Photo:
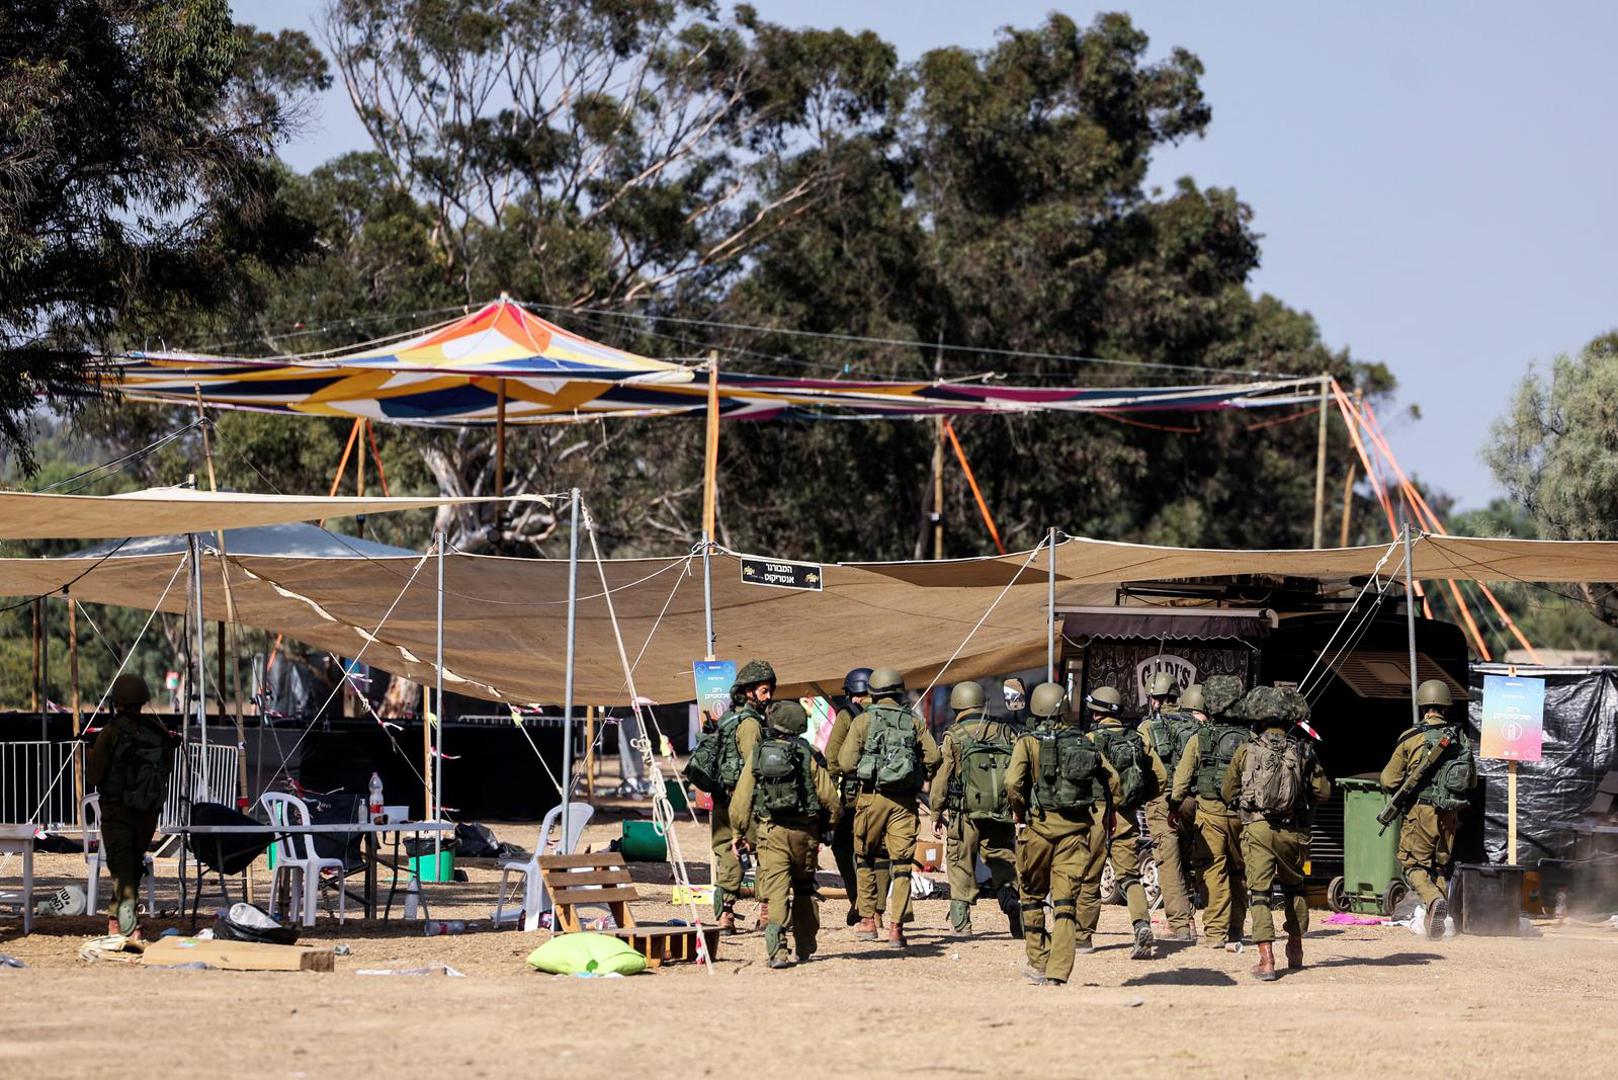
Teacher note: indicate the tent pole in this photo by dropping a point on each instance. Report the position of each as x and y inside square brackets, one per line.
[710, 459]
[230, 619]
[938, 487]
[500, 444]
[426, 753]
[73, 698]
[1320, 464]
[34, 669]
[438, 759]
[572, 633]
[1410, 624]
[202, 662]
[1050, 608]
[707, 591]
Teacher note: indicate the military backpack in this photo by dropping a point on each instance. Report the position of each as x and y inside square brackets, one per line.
[1448, 784]
[1070, 771]
[716, 761]
[1216, 746]
[783, 779]
[888, 756]
[1126, 750]
[138, 774]
[1273, 777]
[1170, 733]
[983, 778]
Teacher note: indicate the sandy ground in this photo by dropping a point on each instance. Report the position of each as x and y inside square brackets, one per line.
[1374, 1001]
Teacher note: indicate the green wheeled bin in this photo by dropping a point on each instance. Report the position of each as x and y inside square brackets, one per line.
[1372, 883]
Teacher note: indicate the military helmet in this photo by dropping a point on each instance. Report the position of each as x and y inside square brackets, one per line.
[857, 682]
[887, 681]
[1104, 699]
[788, 715]
[1192, 698]
[966, 695]
[129, 692]
[1162, 685]
[1270, 706]
[1434, 692]
[1046, 700]
[1219, 693]
[753, 673]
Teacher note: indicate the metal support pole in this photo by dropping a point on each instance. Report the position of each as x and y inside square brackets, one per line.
[572, 628]
[438, 758]
[202, 663]
[1050, 608]
[1410, 624]
[1320, 465]
[73, 697]
[707, 591]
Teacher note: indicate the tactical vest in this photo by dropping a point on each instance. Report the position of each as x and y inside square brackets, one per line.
[138, 774]
[1273, 780]
[1448, 784]
[783, 779]
[1071, 776]
[1127, 752]
[1170, 732]
[888, 755]
[982, 776]
[1216, 746]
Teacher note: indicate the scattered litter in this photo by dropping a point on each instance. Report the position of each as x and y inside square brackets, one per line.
[701, 895]
[68, 900]
[111, 947]
[172, 931]
[434, 969]
[954, 956]
[1348, 918]
[440, 927]
[11, 961]
[1612, 923]
[1235, 947]
[1524, 928]
[341, 950]
[1134, 1003]
[192, 965]
[205, 934]
[593, 975]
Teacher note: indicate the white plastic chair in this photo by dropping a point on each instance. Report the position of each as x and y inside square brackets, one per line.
[295, 855]
[90, 811]
[535, 899]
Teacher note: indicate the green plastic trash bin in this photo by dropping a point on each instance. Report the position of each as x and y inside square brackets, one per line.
[1372, 883]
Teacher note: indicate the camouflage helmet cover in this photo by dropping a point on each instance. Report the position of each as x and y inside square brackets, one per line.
[1219, 693]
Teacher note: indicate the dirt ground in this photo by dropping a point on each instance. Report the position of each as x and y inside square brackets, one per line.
[1373, 1001]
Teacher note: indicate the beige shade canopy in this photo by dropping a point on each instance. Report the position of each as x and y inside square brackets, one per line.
[505, 619]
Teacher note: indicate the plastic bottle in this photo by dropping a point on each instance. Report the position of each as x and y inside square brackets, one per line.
[376, 799]
[441, 927]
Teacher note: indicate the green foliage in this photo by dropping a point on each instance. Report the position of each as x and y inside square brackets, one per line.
[136, 168]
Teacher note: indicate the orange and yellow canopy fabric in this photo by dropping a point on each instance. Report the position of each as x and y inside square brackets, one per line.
[453, 374]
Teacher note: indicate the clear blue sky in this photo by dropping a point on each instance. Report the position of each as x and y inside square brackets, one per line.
[1434, 182]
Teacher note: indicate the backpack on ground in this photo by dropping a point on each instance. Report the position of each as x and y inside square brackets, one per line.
[1070, 771]
[983, 778]
[138, 775]
[1272, 776]
[1126, 750]
[1216, 747]
[783, 779]
[888, 757]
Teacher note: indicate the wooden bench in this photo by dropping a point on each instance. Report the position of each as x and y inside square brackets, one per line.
[602, 878]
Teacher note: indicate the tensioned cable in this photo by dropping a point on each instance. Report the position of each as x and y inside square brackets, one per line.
[1375, 574]
[1032, 555]
[68, 585]
[108, 465]
[904, 342]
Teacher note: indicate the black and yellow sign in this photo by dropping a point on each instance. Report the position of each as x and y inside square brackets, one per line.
[782, 575]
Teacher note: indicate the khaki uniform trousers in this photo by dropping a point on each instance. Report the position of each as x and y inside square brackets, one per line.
[1169, 856]
[1426, 846]
[1275, 855]
[1219, 848]
[884, 829]
[1123, 851]
[788, 855]
[1057, 859]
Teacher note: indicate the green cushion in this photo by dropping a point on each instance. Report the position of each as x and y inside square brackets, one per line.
[601, 954]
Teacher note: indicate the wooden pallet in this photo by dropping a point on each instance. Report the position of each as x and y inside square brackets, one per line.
[602, 878]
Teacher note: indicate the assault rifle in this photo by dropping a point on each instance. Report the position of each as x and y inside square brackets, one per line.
[1406, 795]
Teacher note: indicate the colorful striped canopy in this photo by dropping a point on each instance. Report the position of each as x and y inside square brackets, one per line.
[452, 375]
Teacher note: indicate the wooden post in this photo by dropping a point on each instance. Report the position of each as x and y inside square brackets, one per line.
[1511, 813]
[590, 754]
[36, 691]
[710, 460]
[359, 476]
[500, 443]
[938, 487]
[1320, 465]
[1348, 502]
[230, 619]
[73, 692]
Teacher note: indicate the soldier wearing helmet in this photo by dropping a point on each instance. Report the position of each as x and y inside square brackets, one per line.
[739, 731]
[892, 755]
[1446, 772]
[130, 764]
[856, 696]
[1054, 782]
[1198, 779]
[1165, 731]
[969, 807]
[1119, 843]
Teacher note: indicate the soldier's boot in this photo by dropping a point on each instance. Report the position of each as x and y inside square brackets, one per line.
[127, 925]
[775, 946]
[960, 916]
[763, 915]
[865, 930]
[1264, 970]
[1145, 948]
[1034, 975]
[1437, 912]
[727, 916]
[1179, 937]
[1294, 952]
[853, 915]
[879, 925]
[1012, 907]
[896, 936]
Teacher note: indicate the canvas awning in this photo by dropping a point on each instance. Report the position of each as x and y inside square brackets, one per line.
[1172, 623]
[164, 511]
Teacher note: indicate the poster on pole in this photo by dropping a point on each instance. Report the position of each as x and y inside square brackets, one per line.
[713, 679]
[1513, 717]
